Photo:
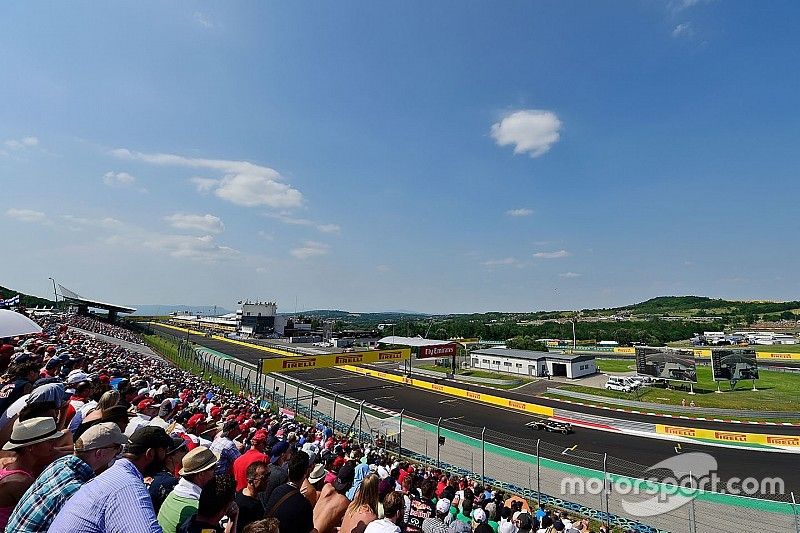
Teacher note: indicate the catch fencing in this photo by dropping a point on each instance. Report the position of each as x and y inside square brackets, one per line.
[536, 470]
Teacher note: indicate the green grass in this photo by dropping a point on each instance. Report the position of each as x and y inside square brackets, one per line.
[616, 365]
[777, 391]
[169, 351]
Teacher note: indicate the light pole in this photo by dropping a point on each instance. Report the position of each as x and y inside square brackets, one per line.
[55, 294]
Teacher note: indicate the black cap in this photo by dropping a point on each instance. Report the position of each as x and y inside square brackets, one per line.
[345, 477]
[114, 413]
[149, 437]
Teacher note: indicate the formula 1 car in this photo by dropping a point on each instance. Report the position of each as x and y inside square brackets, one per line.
[548, 424]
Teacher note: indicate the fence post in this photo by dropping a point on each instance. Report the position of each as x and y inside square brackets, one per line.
[400, 439]
[605, 489]
[296, 400]
[794, 511]
[283, 396]
[692, 518]
[438, 446]
[335, 400]
[538, 477]
[311, 413]
[360, 418]
[483, 456]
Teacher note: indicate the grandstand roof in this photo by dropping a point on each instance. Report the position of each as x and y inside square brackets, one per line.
[411, 341]
[77, 299]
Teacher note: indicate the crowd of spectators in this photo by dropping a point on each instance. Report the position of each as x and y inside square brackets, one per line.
[89, 323]
[97, 438]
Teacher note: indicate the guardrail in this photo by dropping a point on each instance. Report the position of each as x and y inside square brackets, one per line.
[538, 474]
[710, 411]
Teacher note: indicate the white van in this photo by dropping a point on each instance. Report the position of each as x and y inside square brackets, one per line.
[619, 384]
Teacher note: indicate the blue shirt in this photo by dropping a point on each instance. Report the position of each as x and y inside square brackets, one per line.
[48, 494]
[116, 501]
[228, 453]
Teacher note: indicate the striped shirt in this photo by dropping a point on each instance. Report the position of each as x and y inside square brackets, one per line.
[48, 494]
[116, 501]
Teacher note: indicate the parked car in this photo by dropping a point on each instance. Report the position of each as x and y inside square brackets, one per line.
[620, 384]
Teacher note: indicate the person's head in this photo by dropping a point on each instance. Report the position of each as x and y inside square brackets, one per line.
[99, 445]
[259, 440]
[258, 476]
[393, 504]
[174, 460]
[199, 465]
[466, 506]
[267, 525]
[147, 407]
[367, 494]
[117, 414]
[109, 399]
[344, 478]
[428, 488]
[32, 441]
[28, 370]
[39, 409]
[442, 508]
[216, 498]
[147, 449]
[298, 467]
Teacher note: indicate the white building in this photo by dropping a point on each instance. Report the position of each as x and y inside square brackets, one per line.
[532, 363]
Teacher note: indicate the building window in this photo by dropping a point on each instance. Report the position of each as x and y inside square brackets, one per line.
[485, 361]
[519, 365]
[506, 363]
[474, 362]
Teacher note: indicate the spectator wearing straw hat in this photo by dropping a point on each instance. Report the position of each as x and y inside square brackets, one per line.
[181, 503]
[32, 443]
[94, 451]
[313, 483]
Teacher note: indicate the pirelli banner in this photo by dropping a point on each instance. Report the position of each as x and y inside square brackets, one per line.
[302, 362]
[732, 437]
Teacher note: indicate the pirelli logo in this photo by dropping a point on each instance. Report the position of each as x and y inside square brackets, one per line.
[434, 386]
[783, 441]
[683, 432]
[473, 395]
[516, 405]
[348, 359]
[299, 362]
[776, 355]
[389, 356]
[732, 437]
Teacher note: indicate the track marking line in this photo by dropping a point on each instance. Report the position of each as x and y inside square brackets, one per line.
[452, 418]
[567, 450]
[384, 398]
[447, 401]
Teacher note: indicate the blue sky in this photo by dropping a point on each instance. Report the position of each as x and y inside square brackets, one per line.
[439, 157]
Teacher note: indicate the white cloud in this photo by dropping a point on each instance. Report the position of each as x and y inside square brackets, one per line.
[189, 247]
[262, 270]
[569, 275]
[683, 29]
[243, 183]
[79, 223]
[19, 144]
[522, 212]
[680, 5]
[552, 255]
[26, 215]
[310, 249]
[203, 184]
[203, 20]
[383, 268]
[508, 261]
[532, 131]
[204, 223]
[329, 228]
[118, 179]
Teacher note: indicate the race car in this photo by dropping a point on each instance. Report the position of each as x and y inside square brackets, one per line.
[548, 424]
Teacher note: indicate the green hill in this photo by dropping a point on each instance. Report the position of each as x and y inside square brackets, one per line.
[25, 299]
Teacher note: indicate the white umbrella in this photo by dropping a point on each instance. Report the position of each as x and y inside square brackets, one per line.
[13, 324]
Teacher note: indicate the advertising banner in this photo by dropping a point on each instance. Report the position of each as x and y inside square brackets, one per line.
[302, 362]
[675, 365]
[438, 350]
[734, 365]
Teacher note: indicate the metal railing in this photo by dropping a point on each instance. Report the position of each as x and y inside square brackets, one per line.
[542, 473]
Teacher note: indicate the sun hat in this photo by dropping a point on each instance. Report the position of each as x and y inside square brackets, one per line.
[33, 431]
[317, 474]
[443, 506]
[100, 436]
[198, 460]
[149, 437]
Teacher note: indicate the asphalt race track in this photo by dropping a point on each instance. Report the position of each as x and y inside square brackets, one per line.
[429, 406]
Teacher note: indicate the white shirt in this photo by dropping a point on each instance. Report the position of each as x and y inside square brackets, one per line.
[382, 526]
[136, 422]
